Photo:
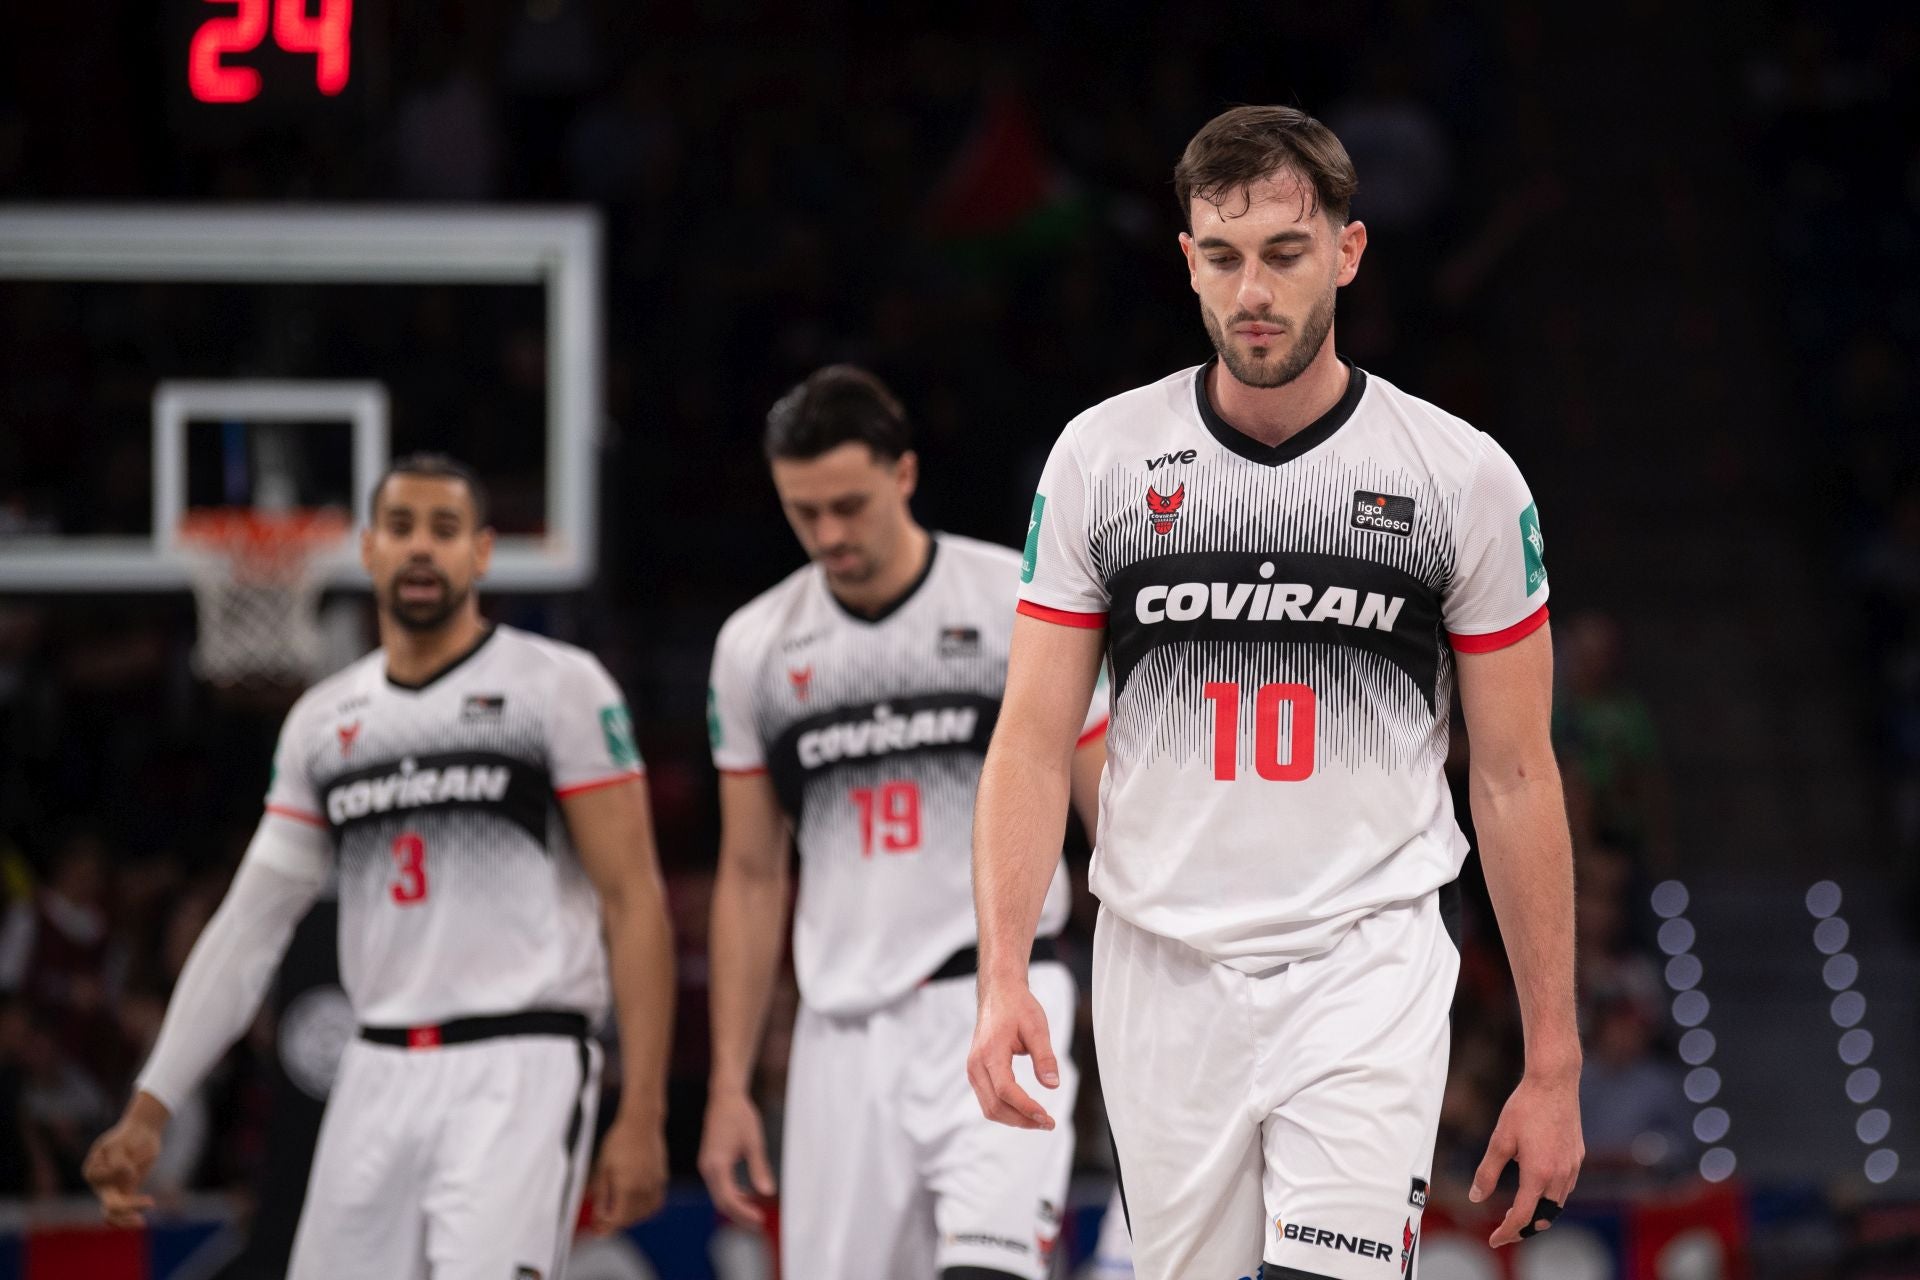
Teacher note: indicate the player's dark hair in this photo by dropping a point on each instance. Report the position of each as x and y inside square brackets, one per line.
[1238, 148]
[438, 466]
[839, 404]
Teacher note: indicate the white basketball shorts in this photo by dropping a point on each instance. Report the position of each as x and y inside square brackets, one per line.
[888, 1169]
[456, 1162]
[1286, 1116]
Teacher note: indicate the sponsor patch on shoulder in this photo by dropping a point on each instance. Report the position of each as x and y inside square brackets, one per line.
[1418, 1196]
[1383, 513]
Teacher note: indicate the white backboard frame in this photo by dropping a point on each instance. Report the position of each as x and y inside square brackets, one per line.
[557, 248]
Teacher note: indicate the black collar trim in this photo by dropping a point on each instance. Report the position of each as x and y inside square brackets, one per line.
[1312, 436]
[899, 602]
[452, 664]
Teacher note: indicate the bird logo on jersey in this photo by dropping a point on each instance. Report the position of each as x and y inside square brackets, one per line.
[801, 678]
[1407, 1237]
[1164, 509]
[347, 732]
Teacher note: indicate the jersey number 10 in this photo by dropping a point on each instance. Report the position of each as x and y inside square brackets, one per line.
[1267, 761]
[891, 811]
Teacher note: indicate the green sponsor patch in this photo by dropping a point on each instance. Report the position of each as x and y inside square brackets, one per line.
[713, 718]
[616, 724]
[1533, 549]
[1032, 557]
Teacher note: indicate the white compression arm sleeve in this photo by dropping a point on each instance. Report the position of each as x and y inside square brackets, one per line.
[228, 970]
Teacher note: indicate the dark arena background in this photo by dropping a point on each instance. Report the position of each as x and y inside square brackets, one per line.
[1667, 255]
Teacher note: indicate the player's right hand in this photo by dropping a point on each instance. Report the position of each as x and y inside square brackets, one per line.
[1011, 1023]
[120, 1160]
[733, 1133]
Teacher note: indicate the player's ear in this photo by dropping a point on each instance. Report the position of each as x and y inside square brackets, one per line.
[482, 551]
[906, 473]
[1353, 243]
[366, 546]
[1187, 251]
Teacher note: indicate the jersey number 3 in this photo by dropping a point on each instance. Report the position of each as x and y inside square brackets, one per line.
[1267, 701]
[409, 869]
[891, 811]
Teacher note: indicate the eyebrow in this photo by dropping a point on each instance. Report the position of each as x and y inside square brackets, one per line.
[1278, 237]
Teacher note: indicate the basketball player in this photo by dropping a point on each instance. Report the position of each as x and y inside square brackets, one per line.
[476, 793]
[850, 707]
[1288, 563]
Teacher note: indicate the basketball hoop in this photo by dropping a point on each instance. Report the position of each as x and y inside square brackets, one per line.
[256, 588]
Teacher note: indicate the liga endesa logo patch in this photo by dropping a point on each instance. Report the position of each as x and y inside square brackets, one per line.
[1383, 513]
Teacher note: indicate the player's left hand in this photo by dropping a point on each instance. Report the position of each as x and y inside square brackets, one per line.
[1540, 1127]
[630, 1179]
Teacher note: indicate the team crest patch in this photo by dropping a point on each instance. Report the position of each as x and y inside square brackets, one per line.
[616, 726]
[1533, 549]
[483, 706]
[1383, 513]
[347, 733]
[801, 678]
[959, 642]
[526, 1273]
[1407, 1236]
[1164, 509]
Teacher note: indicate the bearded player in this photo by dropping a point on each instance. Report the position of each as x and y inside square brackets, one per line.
[850, 708]
[1288, 564]
[476, 793]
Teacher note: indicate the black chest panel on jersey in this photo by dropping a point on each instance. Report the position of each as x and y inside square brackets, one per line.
[436, 782]
[1307, 598]
[890, 728]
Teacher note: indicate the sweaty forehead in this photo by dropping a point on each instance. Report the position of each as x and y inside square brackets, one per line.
[424, 494]
[1282, 201]
[841, 471]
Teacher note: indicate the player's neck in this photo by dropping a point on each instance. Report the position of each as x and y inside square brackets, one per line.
[1272, 414]
[884, 590]
[415, 657]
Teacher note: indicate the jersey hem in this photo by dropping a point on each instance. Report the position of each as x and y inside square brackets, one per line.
[1062, 617]
[594, 784]
[746, 771]
[1493, 640]
[298, 815]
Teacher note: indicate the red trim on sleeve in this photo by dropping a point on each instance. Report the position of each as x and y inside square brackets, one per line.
[1063, 617]
[595, 784]
[754, 772]
[1500, 639]
[298, 815]
[1098, 731]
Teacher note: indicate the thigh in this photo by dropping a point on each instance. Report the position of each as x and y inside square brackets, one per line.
[998, 1192]
[362, 1214]
[1349, 1146]
[1176, 1071]
[851, 1202]
[517, 1123]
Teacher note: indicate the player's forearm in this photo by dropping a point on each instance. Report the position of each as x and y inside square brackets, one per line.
[224, 980]
[748, 935]
[1019, 820]
[640, 963]
[1520, 817]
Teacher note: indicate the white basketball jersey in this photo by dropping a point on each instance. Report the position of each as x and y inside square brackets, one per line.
[460, 892]
[1280, 626]
[873, 732]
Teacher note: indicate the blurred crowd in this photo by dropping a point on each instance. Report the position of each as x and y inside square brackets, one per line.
[989, 227]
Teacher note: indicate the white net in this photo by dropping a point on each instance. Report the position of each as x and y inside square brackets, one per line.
[256, 588]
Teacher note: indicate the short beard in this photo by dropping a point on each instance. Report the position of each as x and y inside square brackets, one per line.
[1262, 374]
[419, 618]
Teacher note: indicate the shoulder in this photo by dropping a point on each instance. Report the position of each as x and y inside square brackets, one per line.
[1452, 448]
[976, 557]
[755, 625]
[537, 654]
[339, 693]
[1116, 424]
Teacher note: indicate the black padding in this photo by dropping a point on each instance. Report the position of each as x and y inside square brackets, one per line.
[976, 1273]
[1544, 1210]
